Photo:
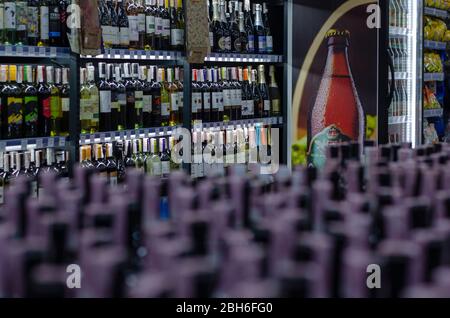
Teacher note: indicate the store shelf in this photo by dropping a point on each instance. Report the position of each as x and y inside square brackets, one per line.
[436, 12]
[403, 32]
[87, 139]
[243, 58]
[438, 112]
[242, 122]
[434, 77]
[397, 120]
[34, 51]
[32, 143]
[434, 45]
[120, 54]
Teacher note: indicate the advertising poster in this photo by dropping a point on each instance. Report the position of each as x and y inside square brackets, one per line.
[335, 73]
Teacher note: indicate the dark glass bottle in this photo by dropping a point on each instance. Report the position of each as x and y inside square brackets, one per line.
[21, 22]
[4, 89]
[33, 22]
[130, 89]
[269, 38]
[15, 103]
[30, 101]
[225, 26]
[206, 94]
[165, 19]
[65, 102]
[218, 31]
[150, 24]
[121, 112]
[63, 4]
[124, 26]
[196, 108]
[115, 105]
[105, 98]
[10, 23]
[249, 27]
[156, 99]
[54, 34]
[236, 41]
[44, 103]
[264, 92]
[44, 23]
[258, 105]
[138, 97]
[260, 31]
[132, 12]
[274, 92]
[147, 82]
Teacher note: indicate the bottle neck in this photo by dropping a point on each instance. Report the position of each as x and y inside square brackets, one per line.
[337, 61]
[216, 15]
[258, 18]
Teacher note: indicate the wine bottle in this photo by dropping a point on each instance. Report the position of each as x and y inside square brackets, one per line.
[247, 99]
[105, 23]
[179, 84]
[196, 109]
[4, 89]
[54, 31]
[43, 103]
[258, 105]
[93, 111]
[205, 81]
[173, 93]
[249, 29]
[242, 42]
[264, 92]
[156, 98]
[55, 102]
[33, 22]
[165, 100]
[124, 26]
[105, 99]
[133, 23]
[141, 24]
[165, 20]
[21, 22]
[177, 26]
[236, 43]
[2, 21]
[30, 101]
[10, 22]
[65, 102]
[130, 90]
[225, 27]
[260, 31]
[236, 81]
[159, 24]
[44, 23]
[266, 23]
[227, 95]
[15, 103]
[138, 97]
[153, 163]
[274, 92]
[164, 157]
[111, 165]
[218, 31]
[120, 113]
[150, 8]
[147, 82]
[63, 6]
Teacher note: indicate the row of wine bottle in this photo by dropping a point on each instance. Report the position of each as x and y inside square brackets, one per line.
[232, 29]
[31, 164]
[233, 93]
[34, 101]
[34, 22]
[133, 24]
[165, 236]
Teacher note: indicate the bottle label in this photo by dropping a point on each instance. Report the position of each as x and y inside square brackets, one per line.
[250, 109]
[141, 23]
[180, 99]
[85, 109]
[165, 109]
[21, 15]
[158, 26]
[222, 43]
[124, 36]
[10, 15]
[261, 44]
[115, 35]
[2, 16]
[134, 31]
[147, 99]
[228, 43]
[113, 178]
[156, 106]
[266, 105]
[65, 104]
[269, 44]
[44, 22]
[33, 22]
[196, 102]
[115, 105]
[207, 100]
[238, 97]
[107, 35]
[251, 43]
[211, 39]
[156, 169]
[34, 189]
[166, 27]
[276, 105]
[55, 107]
[138, 101]
[150, 24]
[177, 37]
[217, 101]
[174, 101]
[2, 194]
[94, 108]
[122, 98]
[30, 109]
[105, 101]
[319, 143]
[14, 110]
[165, 167]
[46, 110]
[220, 101]
[130, 98]
[226, 98]
[55, 24]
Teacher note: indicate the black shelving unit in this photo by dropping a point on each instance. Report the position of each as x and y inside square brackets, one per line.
[63, 56]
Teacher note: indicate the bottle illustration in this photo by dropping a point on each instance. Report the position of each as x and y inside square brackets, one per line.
[337, 115]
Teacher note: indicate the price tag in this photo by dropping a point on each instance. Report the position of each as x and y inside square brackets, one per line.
[2, 145]
[121, 135]
[132, 54]
[128, 134]
[23, 144]
[62, 142]
[19, 50]
[102, 137]
[8, 50]
[122, 54]
[39, 143]
[157, 130]
[53, 52]
[165, 131]
[42, 51]
[92, 138]
[82, 139]
[147, 55]
[51, 142]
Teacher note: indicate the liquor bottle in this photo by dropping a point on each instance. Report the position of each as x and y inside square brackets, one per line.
[130, 89]
[124, 26]
[10, 22]
[63, 5]
[165, 101]
[133, 23]
[247, 99]
[54, 33]
[264, 92]
[173, 93]
[156, 98]
[105, 24]
[236, 41]
[225, 27]
[164, 157]
[119, 112]
[218, 31]
[138, 97]
[179, 84]
[150, 8]
[55, 102]
[177, 27]
[4, 90]
[269, 38]
[33, 22]
[249, 29]
[274, 92]
[153, 162]
[196, 97]
[141, 23]
[204, 85]
[260, 31]
[158, 24]
[147, 82]
[105, 98]
[30, 101]
[165, 20]
[44, 23]
[21, 22]
[337, 114]
[65, 102]
[43, 103]
[15, 103]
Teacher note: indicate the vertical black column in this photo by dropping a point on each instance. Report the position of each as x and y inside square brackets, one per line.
[187, 116]
[74, 114]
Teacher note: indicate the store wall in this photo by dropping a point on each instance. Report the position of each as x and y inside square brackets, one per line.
[311, 21]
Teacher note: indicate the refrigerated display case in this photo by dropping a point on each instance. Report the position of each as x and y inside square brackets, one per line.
[405, 71]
